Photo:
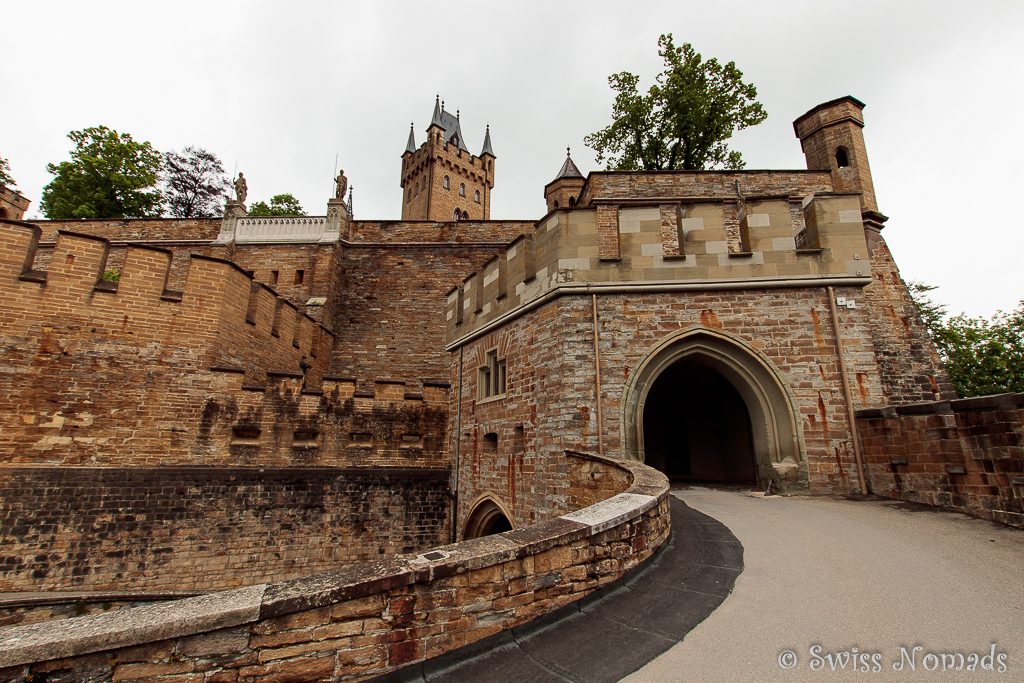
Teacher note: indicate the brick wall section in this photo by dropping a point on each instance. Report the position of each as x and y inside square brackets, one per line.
[297, 272]
[146, 229]
[966, 454]
[651, 186]
[118, 376]
[365, 620]
[173, 528]
[670, 231]
[550, 402]
[339, 423]
[910, 366]
[389, 318]
[608, 233]
[537, 417]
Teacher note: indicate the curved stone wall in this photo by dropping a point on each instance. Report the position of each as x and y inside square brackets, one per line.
[365, 619]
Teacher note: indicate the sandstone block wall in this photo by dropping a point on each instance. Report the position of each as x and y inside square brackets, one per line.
[368, 619]
[392, 277]
[910, 365]
[102, 371]
[339, 423]
[965, 454]
[508, 443]
[572, 249]
[202, 528]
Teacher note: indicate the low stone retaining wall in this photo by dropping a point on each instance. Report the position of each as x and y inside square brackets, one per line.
[966, 455]
[365, 619]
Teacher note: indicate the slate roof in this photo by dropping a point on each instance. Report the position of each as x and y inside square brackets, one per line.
[569, 169]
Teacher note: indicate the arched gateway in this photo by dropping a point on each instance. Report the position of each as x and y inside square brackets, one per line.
[705, 406]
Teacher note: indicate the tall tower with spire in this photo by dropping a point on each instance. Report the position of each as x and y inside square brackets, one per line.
[441, 179]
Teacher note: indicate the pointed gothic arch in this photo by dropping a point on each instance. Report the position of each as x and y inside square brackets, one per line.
[487, 517]
[774, 430]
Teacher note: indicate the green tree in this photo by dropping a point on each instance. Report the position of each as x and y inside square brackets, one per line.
[194, 183]
[6, 180]
[981, 356]
[684, 120]
[110, 175]
[280, 205]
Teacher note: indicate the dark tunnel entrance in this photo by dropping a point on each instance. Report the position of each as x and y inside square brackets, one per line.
[697, 427]
[486, 519]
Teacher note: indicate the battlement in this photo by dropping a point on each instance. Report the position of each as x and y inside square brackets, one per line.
[477, 168]
[339, 422]
[221, 314]
[760, 242]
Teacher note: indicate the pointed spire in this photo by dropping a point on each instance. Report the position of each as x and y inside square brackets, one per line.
[435, 120]
[350, 214]
[568, 169]
[411, 145]
[487, 143]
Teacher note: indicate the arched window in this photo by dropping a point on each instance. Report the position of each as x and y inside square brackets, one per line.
[556, 204]
[447, 183]
[457, 215]
[572, 202]
[462, 189]
[842, 157]
[476, 196]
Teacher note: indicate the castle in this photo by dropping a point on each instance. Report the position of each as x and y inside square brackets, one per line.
[253, 400]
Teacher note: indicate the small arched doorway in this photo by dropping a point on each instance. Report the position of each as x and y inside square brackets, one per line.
[705, 406]
[487, 518]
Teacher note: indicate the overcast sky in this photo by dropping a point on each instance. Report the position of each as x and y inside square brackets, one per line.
[277, 90]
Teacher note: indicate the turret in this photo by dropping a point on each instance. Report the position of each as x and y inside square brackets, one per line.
[832, 139]
[564, 190]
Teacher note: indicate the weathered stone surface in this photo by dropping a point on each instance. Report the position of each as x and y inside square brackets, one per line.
[130, 627]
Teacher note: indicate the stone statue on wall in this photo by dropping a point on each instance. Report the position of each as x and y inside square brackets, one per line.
[241, 188]
[340, 185]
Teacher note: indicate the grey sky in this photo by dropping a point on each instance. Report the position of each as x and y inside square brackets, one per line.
[278, 90]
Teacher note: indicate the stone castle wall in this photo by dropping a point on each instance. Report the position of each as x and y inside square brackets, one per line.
[964, 454]
[392, 277]
[368, 619]
[207, 528]
[109, 383]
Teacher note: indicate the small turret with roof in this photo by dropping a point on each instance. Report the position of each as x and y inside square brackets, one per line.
[564, 190]
[441, 179]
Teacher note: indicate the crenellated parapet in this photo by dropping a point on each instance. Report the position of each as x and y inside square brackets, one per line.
[220, 313]
[756, 242]
[339, 422]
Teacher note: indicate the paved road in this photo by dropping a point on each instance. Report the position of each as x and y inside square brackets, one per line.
[615, 631]
[864, 578]
[870, 575]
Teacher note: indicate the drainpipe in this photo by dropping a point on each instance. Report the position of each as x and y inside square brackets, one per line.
[458, 450]
[597, 377]
[850, 417]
